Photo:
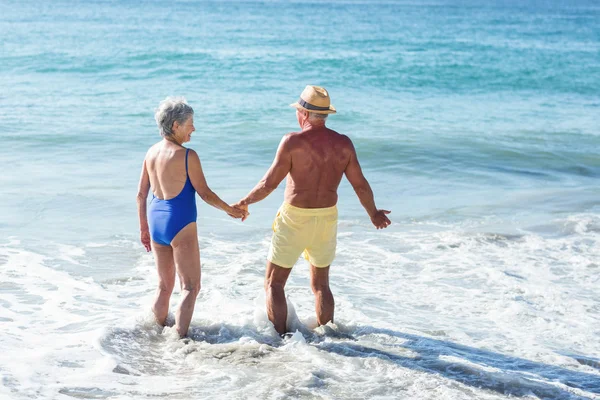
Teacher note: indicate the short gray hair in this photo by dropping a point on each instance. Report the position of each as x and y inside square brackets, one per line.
[170, 110]
[316, 116]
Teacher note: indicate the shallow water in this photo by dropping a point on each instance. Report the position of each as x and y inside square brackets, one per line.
[477, 125]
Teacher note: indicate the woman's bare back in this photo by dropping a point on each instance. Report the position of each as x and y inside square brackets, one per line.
[165, 162]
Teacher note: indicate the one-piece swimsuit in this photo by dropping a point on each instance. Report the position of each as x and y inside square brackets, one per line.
[167, 217]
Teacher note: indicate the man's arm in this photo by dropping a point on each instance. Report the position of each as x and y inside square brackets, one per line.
[279, 169]
[363, 190]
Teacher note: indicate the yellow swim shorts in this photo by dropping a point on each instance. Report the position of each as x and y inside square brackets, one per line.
[309, 230]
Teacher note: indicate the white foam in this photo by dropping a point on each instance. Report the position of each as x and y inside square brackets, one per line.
[426, 312]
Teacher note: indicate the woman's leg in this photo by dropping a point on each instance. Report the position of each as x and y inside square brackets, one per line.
[165, 265]
[187, 262]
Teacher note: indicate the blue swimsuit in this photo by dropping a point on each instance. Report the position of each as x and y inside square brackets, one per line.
[167, 217]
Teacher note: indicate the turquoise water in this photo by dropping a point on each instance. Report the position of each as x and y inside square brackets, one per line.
[441, 99]
[476, 123]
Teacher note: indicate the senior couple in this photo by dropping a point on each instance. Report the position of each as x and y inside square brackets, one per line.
[314, 161]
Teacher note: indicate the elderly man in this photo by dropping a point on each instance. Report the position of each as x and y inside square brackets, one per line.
[314, 161]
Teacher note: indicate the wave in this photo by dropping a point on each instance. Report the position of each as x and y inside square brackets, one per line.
[420, 309]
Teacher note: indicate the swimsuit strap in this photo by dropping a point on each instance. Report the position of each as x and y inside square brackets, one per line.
[186, 157]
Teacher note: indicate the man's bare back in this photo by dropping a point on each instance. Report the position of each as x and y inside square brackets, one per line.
[319, 157]
[314, 162]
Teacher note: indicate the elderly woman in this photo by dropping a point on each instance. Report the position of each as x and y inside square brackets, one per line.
[168, 227]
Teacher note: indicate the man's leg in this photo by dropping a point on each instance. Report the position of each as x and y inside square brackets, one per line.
[324, 304]
[275, 279]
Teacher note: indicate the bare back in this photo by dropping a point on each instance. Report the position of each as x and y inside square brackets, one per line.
[165, 163]
[319, 157]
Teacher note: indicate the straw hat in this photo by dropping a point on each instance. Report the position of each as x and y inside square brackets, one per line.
[314, 99]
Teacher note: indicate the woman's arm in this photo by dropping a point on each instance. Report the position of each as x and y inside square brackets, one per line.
[142, 196]
[199, 182]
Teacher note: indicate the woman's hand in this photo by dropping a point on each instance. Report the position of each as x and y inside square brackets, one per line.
[145, 239]
[236, 212]
[243, 207]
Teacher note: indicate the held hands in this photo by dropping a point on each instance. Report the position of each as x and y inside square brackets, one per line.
[242, 207]
[236, 211]
[380, 220]
[145, 239]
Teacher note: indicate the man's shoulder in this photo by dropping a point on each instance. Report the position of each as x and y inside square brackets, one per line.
[342, 140]
[291, 138]
[336, 134]
[292, 135]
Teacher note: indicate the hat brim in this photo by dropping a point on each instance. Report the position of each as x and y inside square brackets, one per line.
[331, 110]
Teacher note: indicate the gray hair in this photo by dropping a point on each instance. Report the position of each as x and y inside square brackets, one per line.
[170, 110]
[317, 117]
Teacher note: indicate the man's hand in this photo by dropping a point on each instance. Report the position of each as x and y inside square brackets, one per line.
[242, 207]
[237, 213]
[145, 239]
[380, 220]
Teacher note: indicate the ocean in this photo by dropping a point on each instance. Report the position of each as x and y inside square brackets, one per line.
[475, 122]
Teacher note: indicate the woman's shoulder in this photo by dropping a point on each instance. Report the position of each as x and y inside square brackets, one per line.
[156, 146]
[151, 152]
[191, 152]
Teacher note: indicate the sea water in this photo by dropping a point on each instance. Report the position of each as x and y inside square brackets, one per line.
[476, 124]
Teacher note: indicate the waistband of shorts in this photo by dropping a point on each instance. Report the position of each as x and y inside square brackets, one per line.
[313, 212]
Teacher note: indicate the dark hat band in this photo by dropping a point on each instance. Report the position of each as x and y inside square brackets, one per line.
[309, 106]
